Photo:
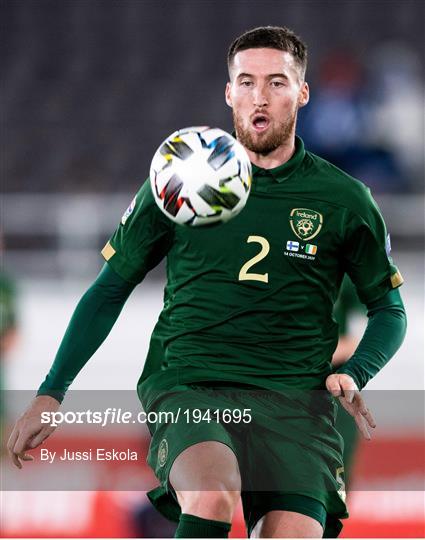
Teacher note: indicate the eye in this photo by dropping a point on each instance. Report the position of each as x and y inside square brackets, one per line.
[277, 84]
[246, 83]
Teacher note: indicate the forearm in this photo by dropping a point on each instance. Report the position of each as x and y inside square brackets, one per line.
[90, 324]
[383, 336]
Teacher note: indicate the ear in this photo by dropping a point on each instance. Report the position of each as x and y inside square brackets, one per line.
[304, 95]
[227, 94]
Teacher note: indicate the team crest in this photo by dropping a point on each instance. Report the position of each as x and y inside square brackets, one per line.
[305, 223]
[162, 452]
[341, 484]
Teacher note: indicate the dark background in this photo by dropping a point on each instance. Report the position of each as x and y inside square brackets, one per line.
[90, 88]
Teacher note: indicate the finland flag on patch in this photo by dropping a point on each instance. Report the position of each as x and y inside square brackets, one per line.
[292, 246]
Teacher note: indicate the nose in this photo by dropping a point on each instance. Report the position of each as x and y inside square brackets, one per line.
[260, 97]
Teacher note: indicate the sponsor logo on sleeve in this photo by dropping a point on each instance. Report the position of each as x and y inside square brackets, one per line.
[388, 245]
[129, 211]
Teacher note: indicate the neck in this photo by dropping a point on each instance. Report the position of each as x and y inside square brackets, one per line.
[277, 157]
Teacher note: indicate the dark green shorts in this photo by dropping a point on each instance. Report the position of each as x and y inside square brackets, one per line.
[286, 445]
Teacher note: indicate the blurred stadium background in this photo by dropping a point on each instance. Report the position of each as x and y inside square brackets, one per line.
[88, 90]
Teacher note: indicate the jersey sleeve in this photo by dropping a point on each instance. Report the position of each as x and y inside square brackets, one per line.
[366, 251]
[142, 238]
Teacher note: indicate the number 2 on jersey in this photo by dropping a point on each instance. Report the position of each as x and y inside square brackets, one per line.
[244, 275]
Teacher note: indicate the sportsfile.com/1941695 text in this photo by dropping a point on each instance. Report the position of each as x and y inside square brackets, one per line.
[113, 415]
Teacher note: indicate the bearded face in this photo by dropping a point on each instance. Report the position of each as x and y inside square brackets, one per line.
[277, 134]
[265, 93]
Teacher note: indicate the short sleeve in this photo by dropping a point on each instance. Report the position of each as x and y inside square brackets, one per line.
[367, 252]
[142, 238]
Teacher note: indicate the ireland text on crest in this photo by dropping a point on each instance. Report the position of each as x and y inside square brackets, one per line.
[305, 223]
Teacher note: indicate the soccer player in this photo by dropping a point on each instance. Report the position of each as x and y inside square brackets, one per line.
[247, 322]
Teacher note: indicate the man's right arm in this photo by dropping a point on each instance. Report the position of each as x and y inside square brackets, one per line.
[93, 319]
[90, 324]
[141, 240]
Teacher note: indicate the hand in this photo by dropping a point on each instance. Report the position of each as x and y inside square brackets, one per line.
[343, 387]
[28, 431]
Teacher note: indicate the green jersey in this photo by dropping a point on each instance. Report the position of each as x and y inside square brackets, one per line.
[347, 304]
[251, 300]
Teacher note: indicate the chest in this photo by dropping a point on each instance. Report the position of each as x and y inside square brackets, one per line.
[272, 239]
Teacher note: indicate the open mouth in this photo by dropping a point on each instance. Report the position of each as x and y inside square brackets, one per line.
[260, 122]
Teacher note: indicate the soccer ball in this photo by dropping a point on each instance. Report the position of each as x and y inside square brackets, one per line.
[200, 176]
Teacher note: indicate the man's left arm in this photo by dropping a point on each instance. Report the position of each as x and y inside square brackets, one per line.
[366, 259]
[383, 337]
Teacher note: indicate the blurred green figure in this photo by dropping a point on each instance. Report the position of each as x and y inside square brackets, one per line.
[7, 316]
[347, 305]
[8, 325]
[8, 328]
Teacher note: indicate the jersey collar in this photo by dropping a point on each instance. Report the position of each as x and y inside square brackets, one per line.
[282, 172]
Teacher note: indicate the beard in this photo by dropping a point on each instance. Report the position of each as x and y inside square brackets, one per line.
[265, 143]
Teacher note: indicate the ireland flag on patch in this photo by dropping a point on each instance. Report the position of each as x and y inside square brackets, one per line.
[311, 249]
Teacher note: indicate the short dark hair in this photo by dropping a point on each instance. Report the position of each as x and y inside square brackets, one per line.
[271, 37]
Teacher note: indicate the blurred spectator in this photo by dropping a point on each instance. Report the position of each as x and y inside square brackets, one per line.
[86, 98]
[333, 121]
[336, 125]
[398, 105]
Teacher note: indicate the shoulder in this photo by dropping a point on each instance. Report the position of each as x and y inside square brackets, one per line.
[143, 209]
[337, 185]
